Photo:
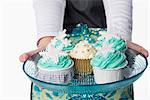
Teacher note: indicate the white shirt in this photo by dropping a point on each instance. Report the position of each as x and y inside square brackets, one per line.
[50, 14]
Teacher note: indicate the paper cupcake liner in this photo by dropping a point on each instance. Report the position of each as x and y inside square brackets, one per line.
[56, 76]
[31, 69]
[107, 76]
[82, 66]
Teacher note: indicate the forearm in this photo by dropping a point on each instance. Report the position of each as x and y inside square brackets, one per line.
[49, 18]
[119, 17]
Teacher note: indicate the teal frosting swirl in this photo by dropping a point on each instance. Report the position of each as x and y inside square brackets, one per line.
[68, 48]
[64, 62]
[117, 44]
[65, 47]
[57, 43]
[112, 60]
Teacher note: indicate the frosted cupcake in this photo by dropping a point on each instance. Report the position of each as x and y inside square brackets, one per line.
[81, 55]
[108, 65]
[55, 65]
[111, 39]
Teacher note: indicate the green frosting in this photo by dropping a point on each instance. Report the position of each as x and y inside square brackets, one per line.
[64, 62]
[117, 44]
[112, 60]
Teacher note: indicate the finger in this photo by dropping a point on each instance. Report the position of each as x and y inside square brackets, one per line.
[27, 55]
[137, 48]
[24, 57]
[33, 52]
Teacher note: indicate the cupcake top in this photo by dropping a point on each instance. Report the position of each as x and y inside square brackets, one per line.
[83, 50]
[108, 58]
[113, 40]
[82, 32]
[56, 54]
[54, 59]
[61, 42]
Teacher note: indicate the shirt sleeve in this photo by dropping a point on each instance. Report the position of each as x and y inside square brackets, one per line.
[49, 17]
[119, 17]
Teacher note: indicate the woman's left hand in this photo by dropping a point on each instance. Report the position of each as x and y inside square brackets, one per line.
[138, 48]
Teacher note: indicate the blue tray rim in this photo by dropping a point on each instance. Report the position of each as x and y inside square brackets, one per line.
[88, 85]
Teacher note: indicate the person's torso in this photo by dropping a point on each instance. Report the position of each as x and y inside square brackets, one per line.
[90, 12]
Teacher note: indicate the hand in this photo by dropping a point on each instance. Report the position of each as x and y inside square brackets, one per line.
[137, 48]
[41, 45]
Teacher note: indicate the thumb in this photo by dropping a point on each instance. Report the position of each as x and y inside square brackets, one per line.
[138, 48]
[27, 55]
[24, 57]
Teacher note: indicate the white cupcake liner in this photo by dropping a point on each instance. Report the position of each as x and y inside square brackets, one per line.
[31, 69]
[102, 76]
[56, 76]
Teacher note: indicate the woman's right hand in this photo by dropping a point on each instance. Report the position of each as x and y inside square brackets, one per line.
[43, 42]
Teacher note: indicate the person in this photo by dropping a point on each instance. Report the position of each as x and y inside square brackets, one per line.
[52, 16]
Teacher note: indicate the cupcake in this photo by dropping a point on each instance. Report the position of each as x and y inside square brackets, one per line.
[108, 65]
[55, 65]
[81, 55]
[114, 40]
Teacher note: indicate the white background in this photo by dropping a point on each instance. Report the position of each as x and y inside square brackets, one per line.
[18, 34]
